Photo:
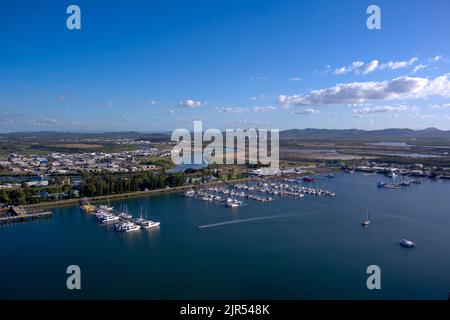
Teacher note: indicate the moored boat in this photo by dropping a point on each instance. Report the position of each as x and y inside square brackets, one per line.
[407, 243]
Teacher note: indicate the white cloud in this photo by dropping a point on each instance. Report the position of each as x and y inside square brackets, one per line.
[259, 78]
[419, 67]
[393, 65]
[436, 58]
[42, 122]
[295, 78]
[151, 102]
[189, 103]
[380, 109]
[370, 67]
[358, 67]
[420, 116]
[109, 103]
[352, 68]
[308, 111]
[247, 123]
[260, 97]
[440, 106]
[342, 70]
[360, 92]
[22, 120]
[234, 110]
[264, 109]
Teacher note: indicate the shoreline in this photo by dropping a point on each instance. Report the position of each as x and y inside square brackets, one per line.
[155, 192]
[138, 194]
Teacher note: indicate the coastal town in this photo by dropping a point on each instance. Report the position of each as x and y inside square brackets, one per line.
[57, 176]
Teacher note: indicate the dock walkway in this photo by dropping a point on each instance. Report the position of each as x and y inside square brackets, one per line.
[25, 217]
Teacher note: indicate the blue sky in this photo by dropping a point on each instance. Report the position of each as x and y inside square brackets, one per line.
[159, 65]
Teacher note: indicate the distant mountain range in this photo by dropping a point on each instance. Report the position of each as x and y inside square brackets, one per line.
[302, 134]
[357, 134]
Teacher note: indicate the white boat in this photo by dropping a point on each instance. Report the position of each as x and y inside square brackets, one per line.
[125, 216]
[232, 203]
[127, 227]
[109, 217]
[407, 243]
[366, 222]
[149, 224]
[144, 223]
[106, 208]
[392, 174]
[189, 193]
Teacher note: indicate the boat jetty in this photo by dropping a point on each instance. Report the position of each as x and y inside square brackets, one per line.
[399, 184]
[263, 191]
[123, 221]
[19, 214]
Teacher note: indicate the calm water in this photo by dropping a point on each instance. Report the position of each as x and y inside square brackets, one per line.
[391, 144]
[322, 252]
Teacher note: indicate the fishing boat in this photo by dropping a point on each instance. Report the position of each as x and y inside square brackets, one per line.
[407, 243]
[366, 222]
[381, 184]
[309, 179]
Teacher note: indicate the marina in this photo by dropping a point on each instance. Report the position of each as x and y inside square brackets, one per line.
[262, 191]
[123, 221]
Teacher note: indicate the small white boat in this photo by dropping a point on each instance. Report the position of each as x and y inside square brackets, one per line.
[189, 193]
[407, 243]
[149, 224]
[366, 222]
[232, 203]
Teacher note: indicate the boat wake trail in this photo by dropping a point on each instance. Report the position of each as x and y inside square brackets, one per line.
[247, 220]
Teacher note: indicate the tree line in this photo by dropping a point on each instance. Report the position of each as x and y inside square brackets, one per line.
[109, 184]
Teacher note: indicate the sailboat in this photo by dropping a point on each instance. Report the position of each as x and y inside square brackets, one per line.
[366, 222]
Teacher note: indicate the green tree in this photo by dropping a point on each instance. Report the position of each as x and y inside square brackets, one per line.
[4, 198]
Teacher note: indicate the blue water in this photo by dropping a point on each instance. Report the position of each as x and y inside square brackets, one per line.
[318, 250]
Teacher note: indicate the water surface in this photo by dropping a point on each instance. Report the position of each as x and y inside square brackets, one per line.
[317, 250]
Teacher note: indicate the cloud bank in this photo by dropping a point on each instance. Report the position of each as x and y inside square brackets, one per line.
[361, 92]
